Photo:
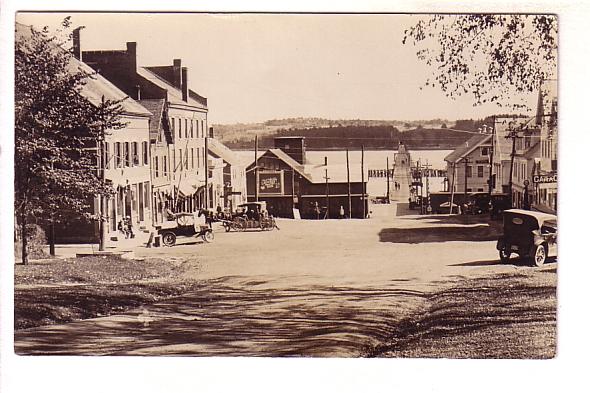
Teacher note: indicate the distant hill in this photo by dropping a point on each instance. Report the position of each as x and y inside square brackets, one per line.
[243, 133]
[353, 136]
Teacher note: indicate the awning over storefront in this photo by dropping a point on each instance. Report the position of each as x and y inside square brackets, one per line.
[186, 189]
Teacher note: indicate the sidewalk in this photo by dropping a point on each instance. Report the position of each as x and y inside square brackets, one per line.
[122, 245]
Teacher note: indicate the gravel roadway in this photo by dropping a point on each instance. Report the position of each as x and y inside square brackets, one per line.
[331, 288]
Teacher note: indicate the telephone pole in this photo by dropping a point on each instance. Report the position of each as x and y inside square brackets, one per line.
[101, 163]
[348, 183]
[363, 180]
[514, 135]
[206, 171]
[465, 188]
[491, 178]
[256, 166]
[387, 172]
[327, 190]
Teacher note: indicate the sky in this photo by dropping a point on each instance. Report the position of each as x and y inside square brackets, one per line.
[256, 67]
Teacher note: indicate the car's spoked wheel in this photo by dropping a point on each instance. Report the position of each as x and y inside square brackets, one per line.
[504, 256]
[540, 256]
[169, 239]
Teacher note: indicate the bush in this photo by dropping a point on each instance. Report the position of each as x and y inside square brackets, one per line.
[36, 242]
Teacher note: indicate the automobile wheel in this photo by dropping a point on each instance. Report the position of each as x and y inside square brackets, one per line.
[168, 239]
[539, 256]
[208, 236]
[504, 256]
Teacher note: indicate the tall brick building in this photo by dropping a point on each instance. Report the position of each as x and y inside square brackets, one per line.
[178, 125]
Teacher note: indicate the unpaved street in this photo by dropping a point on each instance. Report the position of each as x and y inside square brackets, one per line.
[312, 288]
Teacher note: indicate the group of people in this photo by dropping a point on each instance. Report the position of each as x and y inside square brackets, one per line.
[126, 227]
[396, 186]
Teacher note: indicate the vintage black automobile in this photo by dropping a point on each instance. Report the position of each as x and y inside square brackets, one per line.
[183, 224]
[530, 234]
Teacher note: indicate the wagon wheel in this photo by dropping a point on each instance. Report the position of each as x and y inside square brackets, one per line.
[168, 239]
[208, 236]
[242, 225]
[227, 226]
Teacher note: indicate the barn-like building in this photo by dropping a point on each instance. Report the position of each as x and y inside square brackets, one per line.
[291, 186]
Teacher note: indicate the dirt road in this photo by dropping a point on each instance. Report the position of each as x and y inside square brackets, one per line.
[312, 288]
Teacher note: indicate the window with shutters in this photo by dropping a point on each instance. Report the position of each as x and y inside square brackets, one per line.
[134, 154]
[145, 153]
[107, 155]
[126, 160]
[117, 154]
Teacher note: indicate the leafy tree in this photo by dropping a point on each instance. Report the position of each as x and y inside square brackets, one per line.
[57, 131]
[494, 58]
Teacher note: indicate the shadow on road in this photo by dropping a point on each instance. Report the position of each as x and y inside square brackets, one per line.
[403, 209]
[438, 234]
[497, 262]
[222, 318]
[464, 219]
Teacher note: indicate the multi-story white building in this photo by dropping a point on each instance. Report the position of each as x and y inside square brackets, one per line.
[545, 174]
[178, 125]
[468, 166]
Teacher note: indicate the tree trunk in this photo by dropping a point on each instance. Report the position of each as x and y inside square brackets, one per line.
[52, 238]
[24, 235]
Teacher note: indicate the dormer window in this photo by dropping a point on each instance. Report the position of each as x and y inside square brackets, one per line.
[485, 151]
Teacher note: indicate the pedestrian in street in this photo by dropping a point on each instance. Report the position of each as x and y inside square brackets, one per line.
[316, 210]
[341, 211]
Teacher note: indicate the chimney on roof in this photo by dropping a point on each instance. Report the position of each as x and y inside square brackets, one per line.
[294, 146]
[184, 83]
[132, 55]
[176, 73]
[76, 44]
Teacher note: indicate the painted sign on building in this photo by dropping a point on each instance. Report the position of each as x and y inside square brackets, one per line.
[542, 179]
[270, 183]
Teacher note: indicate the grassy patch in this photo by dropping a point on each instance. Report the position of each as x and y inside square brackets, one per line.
[59, 291]
[505, 316]
[95, 269]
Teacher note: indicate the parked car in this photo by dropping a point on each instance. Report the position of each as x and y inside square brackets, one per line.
[530, 234]
[183, 224]
[478, 203]
[499, 203]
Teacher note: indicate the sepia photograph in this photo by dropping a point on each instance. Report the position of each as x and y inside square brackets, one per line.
[286, 185]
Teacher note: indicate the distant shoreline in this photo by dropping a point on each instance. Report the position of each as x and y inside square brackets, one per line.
[359, 149]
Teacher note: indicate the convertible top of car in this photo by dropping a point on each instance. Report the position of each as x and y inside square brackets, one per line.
[540, 216]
